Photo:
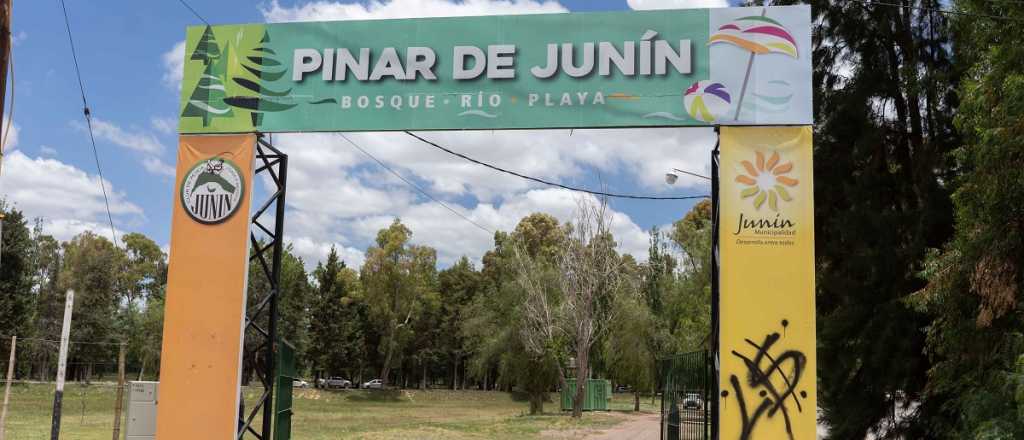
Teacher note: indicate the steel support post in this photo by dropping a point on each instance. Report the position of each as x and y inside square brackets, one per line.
[715, 287]
[262, 314]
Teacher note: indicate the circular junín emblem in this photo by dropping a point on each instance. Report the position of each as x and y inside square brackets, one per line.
[212, 190]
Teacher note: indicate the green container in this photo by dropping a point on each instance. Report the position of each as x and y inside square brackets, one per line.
[597, 397]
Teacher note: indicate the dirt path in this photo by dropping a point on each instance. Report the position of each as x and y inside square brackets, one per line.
[638, 427]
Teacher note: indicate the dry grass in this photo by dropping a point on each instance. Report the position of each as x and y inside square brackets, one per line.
[349, 414]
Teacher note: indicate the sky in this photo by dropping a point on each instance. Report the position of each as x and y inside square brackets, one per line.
[130, 54]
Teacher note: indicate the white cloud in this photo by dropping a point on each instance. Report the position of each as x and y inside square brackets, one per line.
[66, 229]
[676, 4]
[10, 137]
[133, 140]
[47, 150]
[174, 65]
[69, 199]
[377, 9]
[166, 126]
[157, 166]
[312, 251]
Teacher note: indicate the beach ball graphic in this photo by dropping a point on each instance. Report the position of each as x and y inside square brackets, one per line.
[707, 101]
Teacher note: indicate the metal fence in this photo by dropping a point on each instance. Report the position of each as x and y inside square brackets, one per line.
[686, 385]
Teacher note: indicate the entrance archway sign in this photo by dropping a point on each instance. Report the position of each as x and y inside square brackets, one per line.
[691, 67]
[695, 67]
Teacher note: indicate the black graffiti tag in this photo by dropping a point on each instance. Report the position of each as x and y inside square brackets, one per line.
[760, 370]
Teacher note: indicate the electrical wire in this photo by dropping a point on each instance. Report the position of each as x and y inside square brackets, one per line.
[549, 183]
[200, 17]
[88, 122]
[940, 11]
[414, 185]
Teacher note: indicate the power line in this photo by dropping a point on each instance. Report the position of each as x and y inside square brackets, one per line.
[88, 123]
[549, 183]
[200, 17]
[414, 185]
[940, 11]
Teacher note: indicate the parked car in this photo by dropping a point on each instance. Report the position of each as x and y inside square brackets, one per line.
[337, 382]
[299, 383]
[692, 401]
[375, 384]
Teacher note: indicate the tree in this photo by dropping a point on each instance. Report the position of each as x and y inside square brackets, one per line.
[458, 286]
[16, 274]
[884, 85]
[396, 277]
[628, 346]
[91, 266]
[571, 303]
[294, 305]
[334, 332]
[975, 285]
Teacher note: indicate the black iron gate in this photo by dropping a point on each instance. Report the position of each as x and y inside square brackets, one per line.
[686, 382]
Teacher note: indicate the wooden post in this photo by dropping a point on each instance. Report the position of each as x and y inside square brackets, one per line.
[7, 388]
[119, 403]
[62, 363]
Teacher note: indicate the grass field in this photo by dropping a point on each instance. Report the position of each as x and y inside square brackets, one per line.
[321, 415]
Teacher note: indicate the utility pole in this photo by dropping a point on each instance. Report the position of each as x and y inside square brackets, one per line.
[7, 388]
[62, 364]
[5, 60]
[119, 403]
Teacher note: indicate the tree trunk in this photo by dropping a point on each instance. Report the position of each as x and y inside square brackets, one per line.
[316, 379]
[386, 368]
[636, 400]
[455, 374]
[536, 403]
[423, 377]
[582, 364]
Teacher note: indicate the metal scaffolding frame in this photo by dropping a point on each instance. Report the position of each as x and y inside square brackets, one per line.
[271, 162]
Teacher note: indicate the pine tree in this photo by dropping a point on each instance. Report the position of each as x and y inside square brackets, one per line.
[207, 49]
[16, 296]
[259, 67]
[207, 100]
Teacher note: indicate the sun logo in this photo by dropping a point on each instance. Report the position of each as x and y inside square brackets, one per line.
[767, 181]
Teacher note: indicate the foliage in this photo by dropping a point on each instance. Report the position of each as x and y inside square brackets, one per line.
[16, 273]
[976, 282]
[884, 99]
[397, 277]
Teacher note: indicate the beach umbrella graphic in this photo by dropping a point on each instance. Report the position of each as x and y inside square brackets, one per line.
[758, 35]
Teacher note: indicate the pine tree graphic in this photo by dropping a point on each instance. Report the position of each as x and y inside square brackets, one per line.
[207, 49]
[207, 100]
[260, 67]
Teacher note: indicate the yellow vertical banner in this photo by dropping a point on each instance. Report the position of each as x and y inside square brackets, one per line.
[200, 364]
[767, 328]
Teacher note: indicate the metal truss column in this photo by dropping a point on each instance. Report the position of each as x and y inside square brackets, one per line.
[261, 320]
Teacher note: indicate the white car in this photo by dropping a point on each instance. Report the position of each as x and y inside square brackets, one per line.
[299, 383]
[337, 382]
[375, 384]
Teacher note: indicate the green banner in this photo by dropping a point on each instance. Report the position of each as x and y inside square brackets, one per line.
[617, 69]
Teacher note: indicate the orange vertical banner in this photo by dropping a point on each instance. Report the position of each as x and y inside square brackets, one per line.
[200, 365]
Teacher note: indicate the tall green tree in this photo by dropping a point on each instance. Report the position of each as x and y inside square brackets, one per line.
[396, 278]
[976, 283]
[458, 285]
[884, 100]
[335, 340]
[91, 267]
[16, 273]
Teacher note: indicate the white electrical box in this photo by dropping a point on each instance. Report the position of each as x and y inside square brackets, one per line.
[142, 401]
